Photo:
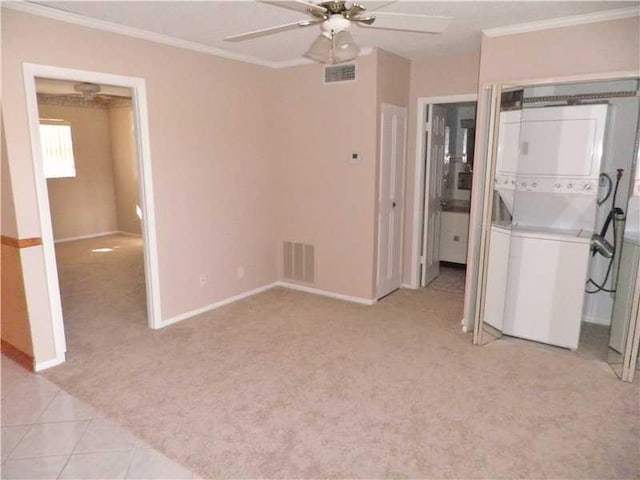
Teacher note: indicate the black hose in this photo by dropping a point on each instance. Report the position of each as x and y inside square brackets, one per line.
[610, 218]
[609, 187]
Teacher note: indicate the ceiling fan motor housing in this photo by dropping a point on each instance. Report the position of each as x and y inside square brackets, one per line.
[334, 7]
[335, 23]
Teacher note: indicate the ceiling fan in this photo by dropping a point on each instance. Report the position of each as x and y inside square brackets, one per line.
[91, 93]
[335, 44]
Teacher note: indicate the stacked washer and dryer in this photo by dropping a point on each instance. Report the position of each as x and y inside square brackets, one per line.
[547, 173]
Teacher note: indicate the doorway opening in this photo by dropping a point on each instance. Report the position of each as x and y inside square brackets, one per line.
[444, 171]
[92, 169]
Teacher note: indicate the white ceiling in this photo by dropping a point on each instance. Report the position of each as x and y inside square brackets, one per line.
[207, 23]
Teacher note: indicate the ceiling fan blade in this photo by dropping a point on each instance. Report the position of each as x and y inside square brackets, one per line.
[355, 10]
[364, 19]
[408, 22]
[375, 6]
[298, 6]
[268, 31]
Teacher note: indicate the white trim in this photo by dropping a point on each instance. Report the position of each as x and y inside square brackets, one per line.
[577, 78]
[46, 229]
[419, 169]
[129, 234]
[84, 237]
[409, 286]
[96, 24]
[596, 320]
[214, 305]
[264, 288]
[463, 325]
[38, 367]
[138, 88]
[325, 293]
[560, 22]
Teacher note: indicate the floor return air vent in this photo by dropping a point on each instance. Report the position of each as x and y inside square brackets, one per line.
[298, 262]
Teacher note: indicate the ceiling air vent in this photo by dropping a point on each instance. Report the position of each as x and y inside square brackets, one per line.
[340, 73]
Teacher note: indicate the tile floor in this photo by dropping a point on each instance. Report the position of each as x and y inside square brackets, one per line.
[449, 280]
[49, 434]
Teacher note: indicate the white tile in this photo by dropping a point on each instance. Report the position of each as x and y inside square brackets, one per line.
[34, 468]
[49, 439]
[65, 408]
[101, 465]
[148, 463]
[29, 385]
[10, 438]
[18, 410]
[103, 436]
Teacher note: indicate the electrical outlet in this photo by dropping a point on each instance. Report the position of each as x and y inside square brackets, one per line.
[240, 271]
[203, 279]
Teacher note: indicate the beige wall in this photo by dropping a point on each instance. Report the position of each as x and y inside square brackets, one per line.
[432, 77]
[211, 172]
[85, 204]
[14, 323]
[601, 47]
[320, 198]
[14, 318]
[392, 78]
[125, 168]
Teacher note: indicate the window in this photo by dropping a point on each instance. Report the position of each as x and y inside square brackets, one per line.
[57, 150]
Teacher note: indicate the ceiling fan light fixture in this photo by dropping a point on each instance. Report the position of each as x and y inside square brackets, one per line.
[87, 90]
[320, 49]
[344, 48]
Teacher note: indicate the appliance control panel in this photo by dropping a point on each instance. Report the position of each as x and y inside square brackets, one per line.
[547, 185]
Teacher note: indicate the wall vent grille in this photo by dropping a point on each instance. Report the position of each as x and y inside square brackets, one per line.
[298, 262]
[340, 73]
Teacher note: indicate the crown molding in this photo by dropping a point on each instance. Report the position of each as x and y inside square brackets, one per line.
[74, 18]
[563, 22]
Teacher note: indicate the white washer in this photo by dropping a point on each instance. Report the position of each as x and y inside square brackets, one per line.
[545, 285]
[535, 283]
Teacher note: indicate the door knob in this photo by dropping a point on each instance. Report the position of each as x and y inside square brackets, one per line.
[393, 204]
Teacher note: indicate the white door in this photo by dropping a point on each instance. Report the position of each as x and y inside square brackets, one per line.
[433, 195]
[393, 141]
[623, 302]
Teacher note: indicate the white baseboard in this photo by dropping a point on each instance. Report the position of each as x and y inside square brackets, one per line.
[213, 306]
[84, 237]
[325, 293]
[264, 288]
[597, 320]
[129, 234]
[409, 286]
[39, 366]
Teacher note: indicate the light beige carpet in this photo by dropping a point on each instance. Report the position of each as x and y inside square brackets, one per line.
[291, 385]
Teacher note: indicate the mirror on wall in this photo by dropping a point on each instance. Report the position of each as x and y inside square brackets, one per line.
[561, 242]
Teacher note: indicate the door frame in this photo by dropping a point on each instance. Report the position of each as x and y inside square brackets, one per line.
[420, 167]
[145, 186]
